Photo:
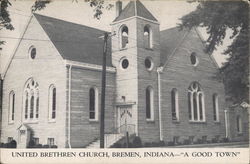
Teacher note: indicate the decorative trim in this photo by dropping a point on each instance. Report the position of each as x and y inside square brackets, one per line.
[89, 66]
[120, 21]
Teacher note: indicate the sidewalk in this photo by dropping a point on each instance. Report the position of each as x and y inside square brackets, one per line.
[244, 144]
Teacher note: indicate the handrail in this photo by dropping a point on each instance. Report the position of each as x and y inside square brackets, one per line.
[118, 133]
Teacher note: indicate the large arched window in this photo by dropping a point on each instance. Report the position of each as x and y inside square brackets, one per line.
[30, 95]
[239, 124]
[215, 107]
[124, 37]
[149, 103]
[93, 104]
[12, 107]
[147, 37]
[196, 102]
[52, 103]
[175, 104]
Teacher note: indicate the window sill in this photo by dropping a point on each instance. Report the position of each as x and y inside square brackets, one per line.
[11, 123]
[197, 122]
[93, 121]
[151, 49]
[122, 49]
[176, 121]
[31, 121]
[52, 121]
[150, 120]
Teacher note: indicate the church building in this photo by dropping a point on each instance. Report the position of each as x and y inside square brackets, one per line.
[161, 85]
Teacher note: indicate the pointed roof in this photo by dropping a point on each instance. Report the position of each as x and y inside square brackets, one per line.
[75, 42]
[135, 8]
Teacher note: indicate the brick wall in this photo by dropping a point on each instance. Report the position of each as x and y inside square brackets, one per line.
[46, 69]
[179, 74]
[83, 131]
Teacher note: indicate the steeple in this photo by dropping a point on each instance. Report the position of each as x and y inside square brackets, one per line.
[135, 8]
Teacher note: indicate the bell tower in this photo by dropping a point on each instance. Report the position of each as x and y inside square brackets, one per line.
[136, 55]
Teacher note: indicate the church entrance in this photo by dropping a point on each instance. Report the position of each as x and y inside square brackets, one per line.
[125, 119]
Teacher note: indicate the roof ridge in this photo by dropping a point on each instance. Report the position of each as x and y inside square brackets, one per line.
[36, 14]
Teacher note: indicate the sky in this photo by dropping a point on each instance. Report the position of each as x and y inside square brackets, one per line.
[167, 13]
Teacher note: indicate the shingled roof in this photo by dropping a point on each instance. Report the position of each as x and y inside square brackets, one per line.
[75, 42]
[135, 8]
[170, 39]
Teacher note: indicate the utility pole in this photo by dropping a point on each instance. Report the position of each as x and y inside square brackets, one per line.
[102, 123]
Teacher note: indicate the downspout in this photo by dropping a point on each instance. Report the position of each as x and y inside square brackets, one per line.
[159, 71]
[226, 123]
[1, 101]
[69, 106]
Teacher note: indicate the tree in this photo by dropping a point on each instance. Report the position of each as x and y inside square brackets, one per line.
[5, 20]
[217, 17]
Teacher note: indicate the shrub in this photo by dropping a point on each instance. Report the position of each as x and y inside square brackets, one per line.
[117, 145]
[161, 143]
[1, 144]
[53, 146]
[171, 143]
[45, 146]
[12, 144]
[137, 142]
[147, 144]
[155, 144]
[38, 146]
[214, 140]
[198, 141]
[186, 142]
[225, 139]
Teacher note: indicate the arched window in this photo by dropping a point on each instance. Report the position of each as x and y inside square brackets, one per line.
[147, 37]
[239, 124]
[93, 103]
[11, 107]
[30, 97]
[196, 103]
[52, 103]
[149, 103]
[193, 59]
[37, 107]
[175, 104]
[124, 37]
[215, 107]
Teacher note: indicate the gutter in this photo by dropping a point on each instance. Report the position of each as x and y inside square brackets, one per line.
[159, 71]
[69, 106]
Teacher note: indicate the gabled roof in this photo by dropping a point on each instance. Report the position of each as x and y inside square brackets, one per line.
[169, 41]
[75, 42]
[135, 8]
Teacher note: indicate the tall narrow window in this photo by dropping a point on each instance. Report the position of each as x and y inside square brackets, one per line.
[12, 107]
[52, 103]
[239, 124]
[32, 106]
[147, 37]
[215, 107]
[196, 107]
[37, 107]
[124, 37]
[93, 104]
[149, 104]
[175, 105]
[30, 100]
[26, 105]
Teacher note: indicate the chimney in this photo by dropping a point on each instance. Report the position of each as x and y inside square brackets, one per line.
[118, 5]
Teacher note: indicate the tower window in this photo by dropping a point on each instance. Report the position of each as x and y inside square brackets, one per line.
[193, 59]
[124, 37]
[147, 37]
[124, 63]
[52, 103]
[149, 64]
[32, 52]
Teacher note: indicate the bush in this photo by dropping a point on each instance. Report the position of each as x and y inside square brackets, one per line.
[161, 143]
[186, 142]
[116, 145]
[45, 146]
[1, 144]
[54, 146]
[171, 143]
[225, 139]
[12, 144]
[199, 141]
[214, 140]
[155, 144]
[147, 144]
[137, 142]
